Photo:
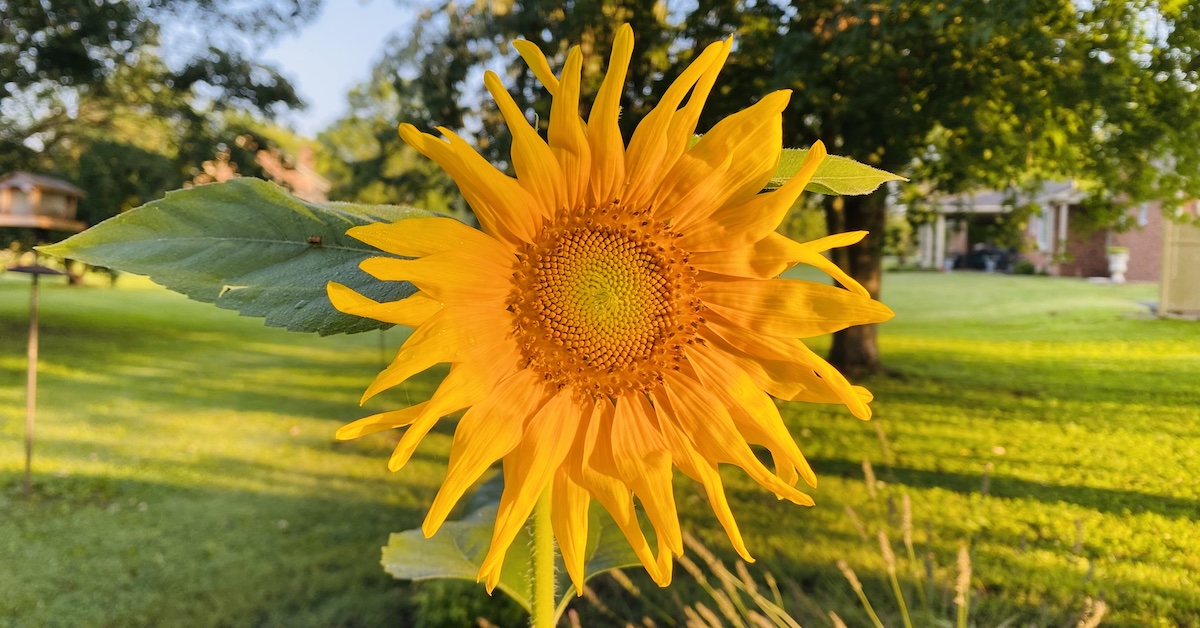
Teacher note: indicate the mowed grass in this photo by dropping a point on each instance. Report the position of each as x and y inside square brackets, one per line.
[186, 472]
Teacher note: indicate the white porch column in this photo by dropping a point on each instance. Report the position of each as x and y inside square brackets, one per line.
[1060, 235]
[925, 244]
[939, 242]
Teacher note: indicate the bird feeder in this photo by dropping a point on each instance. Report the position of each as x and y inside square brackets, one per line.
[45, 204]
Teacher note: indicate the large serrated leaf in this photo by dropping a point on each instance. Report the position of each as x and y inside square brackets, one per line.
[458, 549]
[836, 176]
[247, 245]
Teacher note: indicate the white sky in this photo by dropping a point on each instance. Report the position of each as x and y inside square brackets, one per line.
[324, 59]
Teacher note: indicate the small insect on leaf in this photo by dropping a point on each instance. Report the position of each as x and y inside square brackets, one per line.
[314, 240]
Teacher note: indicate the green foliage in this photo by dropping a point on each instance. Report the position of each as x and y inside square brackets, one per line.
[898, 239]
[248, 246]
[459, 547]
[364, 158]
[805, 222]
[451, 603]
[79, 43]
[118, 177]
[457, 551]
[64, 42]
[1024, 267]
[86, 95]
[955, 95]
[836, 176]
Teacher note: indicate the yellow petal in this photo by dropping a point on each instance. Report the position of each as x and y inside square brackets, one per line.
[785, 469]
[569, 518]
[730, 163]
[769, 257]
[683, 123]
[754, 414]
[648, 155]
[824, 264]
[486, 433]
[604, 132]
[452, 277]
[504, 209]
[536, 61]
[435, 342]
[448, 336]
[788, 369]
[764, 259]
[416, 237]
[710, 427]
[568, 138]
[782, 379]
[528, 469]
[703, 471]
[612, 494]
[836, 241]
[467, 384]
[380, 422]
[642, 459]
[791, 308]
[537, 169]
[742, 224]
[411, 311]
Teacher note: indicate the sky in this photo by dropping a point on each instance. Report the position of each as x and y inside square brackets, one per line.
[327, 57]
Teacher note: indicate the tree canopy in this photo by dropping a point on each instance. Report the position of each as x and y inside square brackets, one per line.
[91, 92]
[953, 95]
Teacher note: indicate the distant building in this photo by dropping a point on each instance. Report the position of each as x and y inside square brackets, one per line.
[1057, 239]
[38, 202]
[297, 174]
[1180, 287]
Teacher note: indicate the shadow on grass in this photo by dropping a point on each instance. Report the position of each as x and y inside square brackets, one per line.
[949, 379]
[99, 550]
[1110, 501]
[183, 368]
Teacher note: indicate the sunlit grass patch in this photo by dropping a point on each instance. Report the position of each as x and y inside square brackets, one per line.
[187, 474]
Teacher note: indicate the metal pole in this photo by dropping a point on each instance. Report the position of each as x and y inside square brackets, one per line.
[31, 383]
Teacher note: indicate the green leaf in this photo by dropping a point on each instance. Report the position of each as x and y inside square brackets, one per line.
[836, 176]
[607, 549]
[458, 549]
[247, 245]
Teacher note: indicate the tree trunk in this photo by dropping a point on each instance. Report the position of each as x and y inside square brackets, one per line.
[855, 351]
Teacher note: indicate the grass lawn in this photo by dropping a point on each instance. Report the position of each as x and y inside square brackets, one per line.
[186, 473]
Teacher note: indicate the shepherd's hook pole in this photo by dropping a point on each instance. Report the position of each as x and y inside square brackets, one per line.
[31, 383]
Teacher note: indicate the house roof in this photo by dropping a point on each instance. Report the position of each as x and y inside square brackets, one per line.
[1000, 201]
[26, 181]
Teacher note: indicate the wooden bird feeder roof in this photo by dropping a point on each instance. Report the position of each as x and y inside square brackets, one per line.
[39, 202]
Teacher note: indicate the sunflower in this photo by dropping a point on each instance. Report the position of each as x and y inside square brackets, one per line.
[618, 313]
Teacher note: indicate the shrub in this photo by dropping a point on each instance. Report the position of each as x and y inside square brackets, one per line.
[1024, 267]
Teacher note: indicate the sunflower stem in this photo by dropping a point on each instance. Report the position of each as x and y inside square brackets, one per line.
[543, 564]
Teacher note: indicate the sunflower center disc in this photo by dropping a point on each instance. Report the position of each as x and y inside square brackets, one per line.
[605, 302]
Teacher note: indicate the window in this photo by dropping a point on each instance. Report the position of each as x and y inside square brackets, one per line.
[1143, 218]
[1042, 226]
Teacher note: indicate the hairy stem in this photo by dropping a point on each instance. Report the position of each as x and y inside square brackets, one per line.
[543, 564]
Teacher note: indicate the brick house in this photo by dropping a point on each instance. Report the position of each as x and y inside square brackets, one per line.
[1056, 236]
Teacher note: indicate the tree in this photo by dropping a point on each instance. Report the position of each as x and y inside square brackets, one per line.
[85, 93]
[959, 95]
[955, 95]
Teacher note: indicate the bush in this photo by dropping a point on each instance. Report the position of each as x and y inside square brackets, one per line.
[1024, 267]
